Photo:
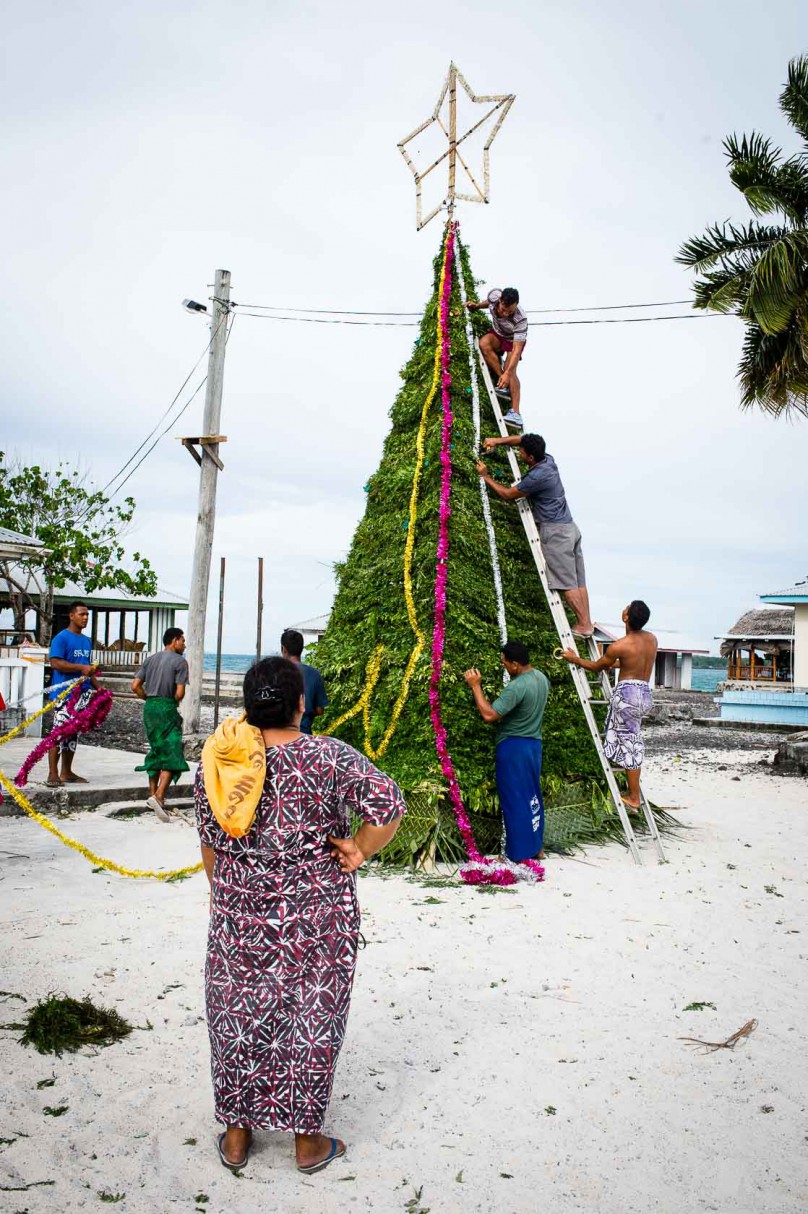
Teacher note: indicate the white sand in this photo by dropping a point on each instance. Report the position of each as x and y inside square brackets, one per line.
[473, 1017]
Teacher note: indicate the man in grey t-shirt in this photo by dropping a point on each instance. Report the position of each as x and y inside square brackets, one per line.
[161, 682]
[508, 336]
[560, 538]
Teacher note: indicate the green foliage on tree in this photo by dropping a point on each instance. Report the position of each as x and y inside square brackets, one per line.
[370, 610]
[83, 531]
[759, 271]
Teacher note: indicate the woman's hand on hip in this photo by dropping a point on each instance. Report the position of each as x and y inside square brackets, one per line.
[347, 854]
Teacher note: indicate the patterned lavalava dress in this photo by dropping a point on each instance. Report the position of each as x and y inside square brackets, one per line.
[283, 934]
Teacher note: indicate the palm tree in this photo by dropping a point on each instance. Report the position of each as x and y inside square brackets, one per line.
[759, 271]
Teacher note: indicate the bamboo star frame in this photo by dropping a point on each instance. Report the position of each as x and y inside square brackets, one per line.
[499, 107]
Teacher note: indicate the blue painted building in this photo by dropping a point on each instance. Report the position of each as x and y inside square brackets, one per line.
[768, 668]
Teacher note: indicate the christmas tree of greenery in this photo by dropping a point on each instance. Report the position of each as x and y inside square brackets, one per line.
[376, 655]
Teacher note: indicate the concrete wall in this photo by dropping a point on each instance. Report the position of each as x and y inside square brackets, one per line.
[765, 707]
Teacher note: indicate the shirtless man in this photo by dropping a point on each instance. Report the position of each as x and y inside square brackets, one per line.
[631, 699]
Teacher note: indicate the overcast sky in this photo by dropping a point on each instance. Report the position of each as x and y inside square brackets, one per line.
[145, 145]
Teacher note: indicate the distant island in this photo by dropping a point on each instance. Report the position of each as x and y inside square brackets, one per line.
[708, 661]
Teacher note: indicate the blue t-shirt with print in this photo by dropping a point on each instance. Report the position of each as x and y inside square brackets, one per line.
[70, 647]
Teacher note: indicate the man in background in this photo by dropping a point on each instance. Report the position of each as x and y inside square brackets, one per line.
[518, 713]
[507, 335]
[70, 656]
[161, 683]
[313, 685]
[631, 699]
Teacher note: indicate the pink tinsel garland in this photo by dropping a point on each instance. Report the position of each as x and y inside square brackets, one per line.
[479, 870]
[88, 718]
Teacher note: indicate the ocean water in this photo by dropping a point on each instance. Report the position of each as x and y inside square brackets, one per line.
[232, 663]
[708, 678]
[236, 663]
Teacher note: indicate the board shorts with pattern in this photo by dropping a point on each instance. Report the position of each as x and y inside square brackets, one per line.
[623, 743]
[63, 714]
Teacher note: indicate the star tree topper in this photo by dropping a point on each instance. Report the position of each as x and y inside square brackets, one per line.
[497, 106]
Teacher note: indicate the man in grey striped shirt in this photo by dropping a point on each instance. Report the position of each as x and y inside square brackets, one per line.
[507, 335]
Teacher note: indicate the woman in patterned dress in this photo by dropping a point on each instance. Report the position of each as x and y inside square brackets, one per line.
[284, 921]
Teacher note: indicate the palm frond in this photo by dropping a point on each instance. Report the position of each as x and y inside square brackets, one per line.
[773, 371]
[753, 169]
[794, 97]
[777, 286]
[722, 241]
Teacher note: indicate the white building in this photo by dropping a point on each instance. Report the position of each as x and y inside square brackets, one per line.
[673, 669]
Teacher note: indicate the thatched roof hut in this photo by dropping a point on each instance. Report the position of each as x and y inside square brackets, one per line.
[767, 629]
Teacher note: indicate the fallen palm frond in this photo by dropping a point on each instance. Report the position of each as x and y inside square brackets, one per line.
[711, 1046]
[60, 1023]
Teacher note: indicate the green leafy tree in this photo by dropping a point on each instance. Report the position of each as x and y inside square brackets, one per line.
[83, 531]
[370, 617]
[759, 271]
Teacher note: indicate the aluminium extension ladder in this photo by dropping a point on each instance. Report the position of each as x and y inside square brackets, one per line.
[584, 681]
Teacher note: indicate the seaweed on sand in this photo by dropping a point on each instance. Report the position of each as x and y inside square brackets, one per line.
[60, 1023]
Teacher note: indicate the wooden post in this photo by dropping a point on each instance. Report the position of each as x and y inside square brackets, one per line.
[218, 681]
[450, 198]
[260, 609]
[206, 518]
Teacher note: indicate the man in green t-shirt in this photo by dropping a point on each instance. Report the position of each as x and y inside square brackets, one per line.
[518, 713]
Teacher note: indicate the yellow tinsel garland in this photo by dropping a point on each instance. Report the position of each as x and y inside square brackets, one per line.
[99, 861]
[373, 668]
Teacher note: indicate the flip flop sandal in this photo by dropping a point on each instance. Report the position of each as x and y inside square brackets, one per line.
[226, 1163]
[333, 1154]
[54, 784]
[160, 810]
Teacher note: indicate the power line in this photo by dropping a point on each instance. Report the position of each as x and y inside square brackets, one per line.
[665, 303]
[403, 324]
[166, 412]
[177, 416]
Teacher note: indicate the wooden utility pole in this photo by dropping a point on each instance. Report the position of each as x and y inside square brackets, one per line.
[260, 612]
[209, 465]
[218, 680]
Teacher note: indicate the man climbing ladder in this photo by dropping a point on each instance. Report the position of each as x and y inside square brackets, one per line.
[631, 700]
[507, 335]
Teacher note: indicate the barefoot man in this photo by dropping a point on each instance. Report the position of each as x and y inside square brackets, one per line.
[161, 682]
[508, 336]
[70, 655]
[518, 714]
[631, 699]
[560, 537]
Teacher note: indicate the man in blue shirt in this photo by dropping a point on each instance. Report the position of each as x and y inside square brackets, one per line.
[559, 535]
[70, 655]
[313, 685]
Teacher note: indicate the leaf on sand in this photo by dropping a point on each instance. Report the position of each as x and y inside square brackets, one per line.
[55, 1110]
[710, 1047]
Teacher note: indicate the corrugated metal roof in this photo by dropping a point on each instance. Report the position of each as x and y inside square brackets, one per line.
[7, 536]
[317, 623]
[798, 591]
[112, 599]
